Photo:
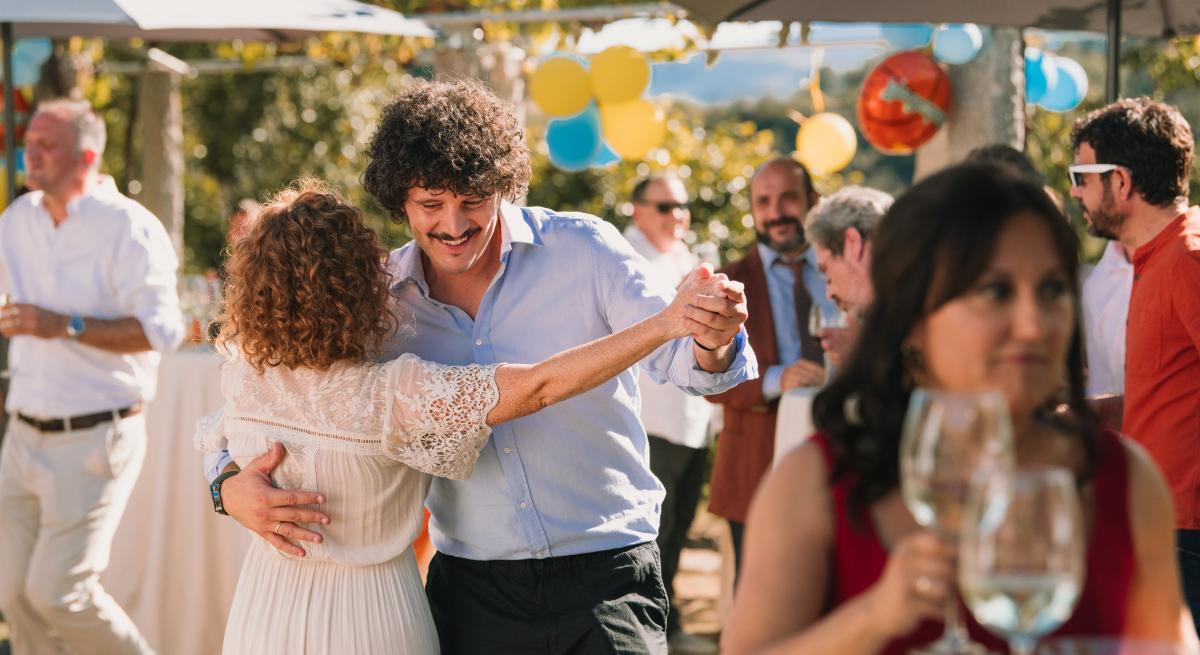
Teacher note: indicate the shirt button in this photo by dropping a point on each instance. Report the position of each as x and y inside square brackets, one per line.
[524, 504]
[540, 554]
[479, 342]
[507, 451]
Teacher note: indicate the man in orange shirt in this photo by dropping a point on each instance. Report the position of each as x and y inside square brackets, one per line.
[1132, 160]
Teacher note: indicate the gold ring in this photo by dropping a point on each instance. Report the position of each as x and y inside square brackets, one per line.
[923, 585]
[279, 523]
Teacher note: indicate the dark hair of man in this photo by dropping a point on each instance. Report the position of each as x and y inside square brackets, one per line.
[639, 189]
[1150, 138]
[454, 136]
[931, 247]
[1006, 155]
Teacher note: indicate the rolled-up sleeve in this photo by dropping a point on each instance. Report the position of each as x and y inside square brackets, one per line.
[145, 283]
[630, 295]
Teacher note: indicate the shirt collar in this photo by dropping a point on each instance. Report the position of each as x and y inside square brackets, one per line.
[516, 226]
[105, 186]
[769, 256]
[1165, 236]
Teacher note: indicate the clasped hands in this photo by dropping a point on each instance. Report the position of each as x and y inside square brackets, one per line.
[716, 307]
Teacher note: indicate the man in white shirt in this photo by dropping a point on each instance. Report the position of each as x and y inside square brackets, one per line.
[90, 279]
[1106, 292]
[676, 423]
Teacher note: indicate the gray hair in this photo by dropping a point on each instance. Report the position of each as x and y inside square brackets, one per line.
[89, 127]
[851, 207]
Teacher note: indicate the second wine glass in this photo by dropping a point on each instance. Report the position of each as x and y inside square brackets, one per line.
[1022, 554]
[948, 439]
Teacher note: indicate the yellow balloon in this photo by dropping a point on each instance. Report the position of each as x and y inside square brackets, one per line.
[560, 86]
[632, 128]
[619, 74]
[826, 143]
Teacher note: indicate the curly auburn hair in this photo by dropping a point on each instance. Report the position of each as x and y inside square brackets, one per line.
[307, 286]
[451, 136]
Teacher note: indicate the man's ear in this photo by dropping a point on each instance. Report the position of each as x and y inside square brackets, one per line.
[1121, 180]
[852, 244]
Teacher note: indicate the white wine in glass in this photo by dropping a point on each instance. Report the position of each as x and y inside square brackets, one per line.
[1022, 554]
[948, 439]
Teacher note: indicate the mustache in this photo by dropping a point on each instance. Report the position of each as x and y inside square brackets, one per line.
[783, 220]
[442, 236]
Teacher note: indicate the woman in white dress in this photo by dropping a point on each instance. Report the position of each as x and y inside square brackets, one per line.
[307, 307]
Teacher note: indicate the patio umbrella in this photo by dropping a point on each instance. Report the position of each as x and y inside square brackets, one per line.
[184, 20]
[1156, 18]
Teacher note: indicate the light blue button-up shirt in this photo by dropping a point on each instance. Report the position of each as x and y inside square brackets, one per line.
[574, 477]
[783, 311]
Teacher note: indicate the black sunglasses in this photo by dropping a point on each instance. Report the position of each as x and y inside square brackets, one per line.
[667, 207]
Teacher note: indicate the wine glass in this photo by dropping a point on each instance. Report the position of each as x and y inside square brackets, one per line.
[818, 320]
[947, 439]
[1022, 554]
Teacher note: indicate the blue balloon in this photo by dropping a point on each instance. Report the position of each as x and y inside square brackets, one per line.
[906, 36]
[574, 142]
[1040, 74]
[605, 157]
[957, 44]
[20, 160]
[1069, 89]
[28, 57]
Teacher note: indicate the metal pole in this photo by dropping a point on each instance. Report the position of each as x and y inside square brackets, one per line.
[1112, 81]
[10, 109]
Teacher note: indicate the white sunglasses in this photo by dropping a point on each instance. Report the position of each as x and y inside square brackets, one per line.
[1075, 170]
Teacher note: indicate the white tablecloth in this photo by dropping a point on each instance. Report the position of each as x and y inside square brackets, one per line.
[174, 561]
[794, 422]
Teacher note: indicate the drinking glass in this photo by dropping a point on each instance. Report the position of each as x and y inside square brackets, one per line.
[947, 439]
[819, 320]
[1022, 554]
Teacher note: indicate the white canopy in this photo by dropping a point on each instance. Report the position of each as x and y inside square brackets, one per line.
[210, 20]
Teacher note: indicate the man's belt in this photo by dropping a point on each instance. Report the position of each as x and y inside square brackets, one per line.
[81, 422]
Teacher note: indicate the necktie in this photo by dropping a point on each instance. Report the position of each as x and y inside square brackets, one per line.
[810, 346]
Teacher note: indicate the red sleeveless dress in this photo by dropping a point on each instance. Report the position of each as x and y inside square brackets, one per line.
[859, 557]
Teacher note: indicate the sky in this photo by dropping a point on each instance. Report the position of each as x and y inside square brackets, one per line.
[751, 63]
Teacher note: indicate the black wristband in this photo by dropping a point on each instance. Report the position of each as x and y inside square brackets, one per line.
[215, 489]
[704, 347]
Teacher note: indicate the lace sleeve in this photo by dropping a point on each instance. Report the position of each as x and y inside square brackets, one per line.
[438, 415]
[210, 433]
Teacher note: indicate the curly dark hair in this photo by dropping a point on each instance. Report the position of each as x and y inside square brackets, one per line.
[307, 286]
[930, 248]
[448, 135]
[1150, 138]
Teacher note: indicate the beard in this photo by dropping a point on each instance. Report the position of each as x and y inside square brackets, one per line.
[791, 245]
[1104, 221]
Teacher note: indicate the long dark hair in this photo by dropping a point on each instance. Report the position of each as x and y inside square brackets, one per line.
[931, 247]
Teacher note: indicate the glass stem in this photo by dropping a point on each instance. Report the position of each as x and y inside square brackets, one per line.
[1022, 646]
[955, 631]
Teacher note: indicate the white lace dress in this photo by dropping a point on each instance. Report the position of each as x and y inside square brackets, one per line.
[368, 437]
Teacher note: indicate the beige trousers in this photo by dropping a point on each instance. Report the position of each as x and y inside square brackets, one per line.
[62, 495]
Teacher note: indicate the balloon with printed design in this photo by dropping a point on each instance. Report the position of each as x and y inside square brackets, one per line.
[903, 102]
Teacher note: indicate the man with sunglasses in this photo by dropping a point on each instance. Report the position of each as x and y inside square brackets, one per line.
[677, 424]
[1132, 162]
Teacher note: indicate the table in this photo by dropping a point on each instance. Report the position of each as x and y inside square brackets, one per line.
[174, 561]
[793, 423]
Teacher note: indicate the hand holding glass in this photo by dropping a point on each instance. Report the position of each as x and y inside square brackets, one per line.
[948, 438]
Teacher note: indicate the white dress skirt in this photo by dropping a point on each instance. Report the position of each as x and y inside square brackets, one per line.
[368, 437]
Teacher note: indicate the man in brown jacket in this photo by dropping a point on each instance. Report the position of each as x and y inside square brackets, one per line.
[781, 193]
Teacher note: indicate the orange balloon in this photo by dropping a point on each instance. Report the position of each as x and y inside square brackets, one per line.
[903, 103]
